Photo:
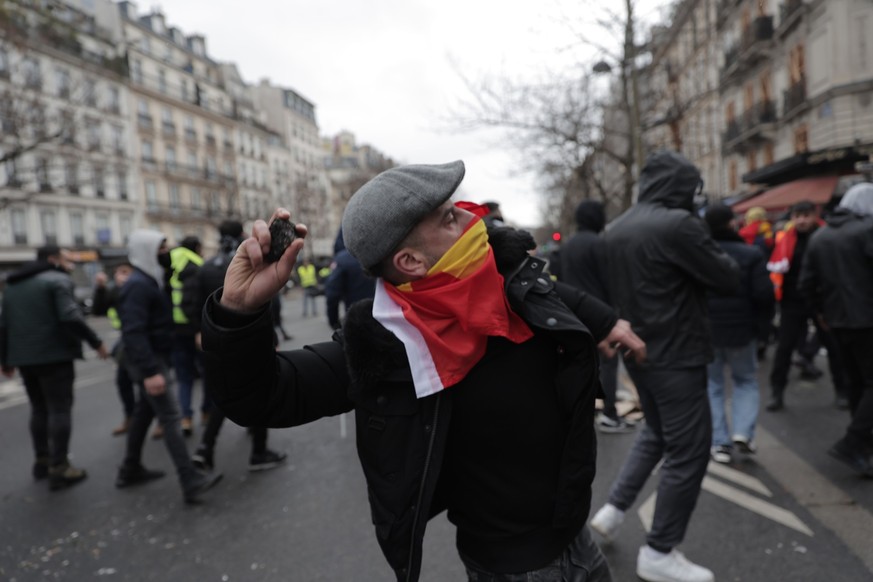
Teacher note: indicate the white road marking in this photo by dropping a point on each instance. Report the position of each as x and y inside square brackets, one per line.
[738, 477]
[759, 506]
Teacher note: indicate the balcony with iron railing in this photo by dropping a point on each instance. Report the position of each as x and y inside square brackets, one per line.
[756, 124]
[790, 13]
[794, 99]
[144, 121]
[753, 46]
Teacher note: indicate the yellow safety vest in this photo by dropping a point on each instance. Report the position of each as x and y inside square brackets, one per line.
[307, 275]
[114, 319]
[179, 259]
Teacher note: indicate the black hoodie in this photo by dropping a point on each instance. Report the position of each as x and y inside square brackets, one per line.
[837, 275]
[661, 261]
[583, 258]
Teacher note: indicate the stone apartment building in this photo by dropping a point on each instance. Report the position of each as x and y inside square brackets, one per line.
[67, 178]
[184, 128]
[793, 109]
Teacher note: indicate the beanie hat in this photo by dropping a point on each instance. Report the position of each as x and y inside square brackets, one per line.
[386, 209]
[718, 216]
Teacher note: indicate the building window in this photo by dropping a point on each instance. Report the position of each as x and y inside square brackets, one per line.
[19, 226]
[104, 233]
[162, 81]
[751, 161]
[32, 74]
[175, 197]
[151, 196]
[170, 159]
[71, 176]
[190, 133]
[769, 154]
[90, 92]
[125, 223]
[62, 82]
[4, 63]
[99, 179]
[93, 132]
[49, 224]
[136, 71]
[148, 154]
[733, 182]
[118, 140]
[196, 199]
[114, 96]
[167, 121]
[801, 139]
[42, 175]
[77, 229]
[145, 44]
[122, 185]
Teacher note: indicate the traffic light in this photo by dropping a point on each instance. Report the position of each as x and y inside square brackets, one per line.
[556, 236]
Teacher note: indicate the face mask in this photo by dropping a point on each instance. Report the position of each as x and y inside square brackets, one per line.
[164, 260]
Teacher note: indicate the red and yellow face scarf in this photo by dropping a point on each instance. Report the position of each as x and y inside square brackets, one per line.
[445, 318]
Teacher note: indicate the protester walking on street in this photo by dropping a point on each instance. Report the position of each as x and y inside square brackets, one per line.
[661, 263]
[583, 265]
[147, 336]
[469, 395]
[105, 302]
[837, 280]
[41, 333]
[785, 265]
[308, 275]
[186, 260]
[736, 324]
[209, 278]
[347, 283]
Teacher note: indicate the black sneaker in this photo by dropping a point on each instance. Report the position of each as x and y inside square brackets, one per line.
[202, 459]
[266, 460]
[775, 404]
[721, 454]
[203, 483]
[134, 475]
[857, 459]
[64, 475]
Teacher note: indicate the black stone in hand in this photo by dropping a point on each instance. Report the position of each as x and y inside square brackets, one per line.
[281, 235]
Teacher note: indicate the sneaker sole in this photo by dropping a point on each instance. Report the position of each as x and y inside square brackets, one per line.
[265, 466]
[658, 577]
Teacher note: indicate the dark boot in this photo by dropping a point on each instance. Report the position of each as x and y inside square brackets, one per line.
[134, 475]
[775, 403]
[41, 468]
[64, 475]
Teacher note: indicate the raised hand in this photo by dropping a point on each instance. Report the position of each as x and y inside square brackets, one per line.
[250, 281]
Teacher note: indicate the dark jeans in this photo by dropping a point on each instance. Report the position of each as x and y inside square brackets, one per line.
[582, 561]
[125, 390]
[793, 325]
[609, 381]
[165, 408]
[856, 347]
[678, 429]
[50, 391]
[186, 361]
[213, 427]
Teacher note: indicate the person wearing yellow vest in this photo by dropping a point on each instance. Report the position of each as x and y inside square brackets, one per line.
[308, 275]
[104, 303]
[185, 260]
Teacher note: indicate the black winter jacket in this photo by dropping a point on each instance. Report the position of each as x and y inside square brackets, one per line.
[146, 324]
[583, 257]
[740, 318]
[661, 262]
[837, 275]
[401, 439]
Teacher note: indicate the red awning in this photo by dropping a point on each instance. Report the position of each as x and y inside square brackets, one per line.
[817, 190]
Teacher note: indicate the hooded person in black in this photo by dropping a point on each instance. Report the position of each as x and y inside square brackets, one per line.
[837, 281]
[583, 265]
[661, 263]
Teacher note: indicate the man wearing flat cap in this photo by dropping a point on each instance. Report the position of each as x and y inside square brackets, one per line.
[472, 376]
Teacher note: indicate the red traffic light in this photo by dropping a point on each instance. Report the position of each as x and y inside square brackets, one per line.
[556, 236]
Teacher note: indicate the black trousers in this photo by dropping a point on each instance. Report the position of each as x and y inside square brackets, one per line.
[856, 346]
[50, 391]
[213, 427]
[793, 325]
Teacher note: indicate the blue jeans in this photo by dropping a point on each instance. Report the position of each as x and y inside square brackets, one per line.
[185, 363]
[582, 561]
[743, 365]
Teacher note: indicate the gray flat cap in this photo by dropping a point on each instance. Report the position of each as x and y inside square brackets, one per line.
[384, 210]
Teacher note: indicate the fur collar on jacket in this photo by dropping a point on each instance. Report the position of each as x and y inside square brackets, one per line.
[373, 353]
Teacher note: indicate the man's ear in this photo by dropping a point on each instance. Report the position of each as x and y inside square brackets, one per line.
[410, 263]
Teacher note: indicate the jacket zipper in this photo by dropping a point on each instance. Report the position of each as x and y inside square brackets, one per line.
[427, 459]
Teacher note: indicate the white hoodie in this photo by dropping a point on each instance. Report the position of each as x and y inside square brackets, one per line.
[142, 251]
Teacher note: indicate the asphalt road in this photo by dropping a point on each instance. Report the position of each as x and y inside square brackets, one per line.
[791, 513]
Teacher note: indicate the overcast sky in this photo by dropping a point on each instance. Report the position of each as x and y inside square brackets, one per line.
[382, 69]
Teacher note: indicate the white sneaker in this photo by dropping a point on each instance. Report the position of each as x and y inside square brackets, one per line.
[607, 521]
[653, 566]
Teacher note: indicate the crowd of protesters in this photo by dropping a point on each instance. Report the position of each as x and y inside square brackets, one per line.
[438, 294]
